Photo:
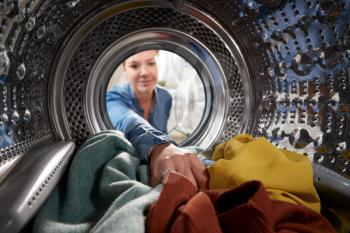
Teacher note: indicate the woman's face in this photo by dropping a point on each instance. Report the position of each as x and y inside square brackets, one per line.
[142, 71]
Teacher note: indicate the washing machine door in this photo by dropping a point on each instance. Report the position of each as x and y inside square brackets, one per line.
[277, 69]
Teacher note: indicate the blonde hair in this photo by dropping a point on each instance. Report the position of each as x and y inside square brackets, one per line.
[156, 57]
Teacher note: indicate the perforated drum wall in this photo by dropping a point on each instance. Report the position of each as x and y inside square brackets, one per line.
[309, 62]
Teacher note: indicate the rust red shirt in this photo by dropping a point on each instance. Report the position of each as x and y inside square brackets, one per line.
[247, 208]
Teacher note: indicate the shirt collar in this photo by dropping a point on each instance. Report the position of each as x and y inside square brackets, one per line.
[156, 96]
[134, 100]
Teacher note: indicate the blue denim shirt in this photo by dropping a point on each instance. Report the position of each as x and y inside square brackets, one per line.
[126, 115]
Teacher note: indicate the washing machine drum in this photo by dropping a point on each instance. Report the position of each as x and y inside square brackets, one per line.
[272, 68]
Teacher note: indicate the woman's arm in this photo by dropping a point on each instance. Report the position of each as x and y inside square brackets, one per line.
[155, 146]
[136, 129]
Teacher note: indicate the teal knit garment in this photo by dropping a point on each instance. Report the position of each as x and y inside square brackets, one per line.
[107, 190]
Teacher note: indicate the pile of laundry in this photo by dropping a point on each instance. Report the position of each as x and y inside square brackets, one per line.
[253, 187]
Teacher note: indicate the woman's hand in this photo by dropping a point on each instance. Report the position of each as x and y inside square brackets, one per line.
[168, 157]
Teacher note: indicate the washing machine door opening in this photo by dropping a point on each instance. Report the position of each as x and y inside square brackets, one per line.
[196, 93]
[177, 92]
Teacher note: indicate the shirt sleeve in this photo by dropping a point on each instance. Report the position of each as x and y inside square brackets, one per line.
[137, 130]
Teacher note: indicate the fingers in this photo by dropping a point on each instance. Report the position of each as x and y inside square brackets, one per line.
[199, 172]
[160, 169]
[190, 176]
[171, 158]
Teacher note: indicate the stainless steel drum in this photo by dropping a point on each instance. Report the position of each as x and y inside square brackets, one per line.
[273, 68]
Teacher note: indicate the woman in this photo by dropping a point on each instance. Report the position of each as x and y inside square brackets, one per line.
[141, 110]
[141, 94]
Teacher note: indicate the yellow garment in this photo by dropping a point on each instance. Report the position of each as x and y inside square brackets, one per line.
[287, 176]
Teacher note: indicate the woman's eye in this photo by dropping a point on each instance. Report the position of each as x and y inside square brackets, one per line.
[151, 63]
[134, 66]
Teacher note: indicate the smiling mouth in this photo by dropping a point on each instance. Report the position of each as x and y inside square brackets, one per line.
[145, 83]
